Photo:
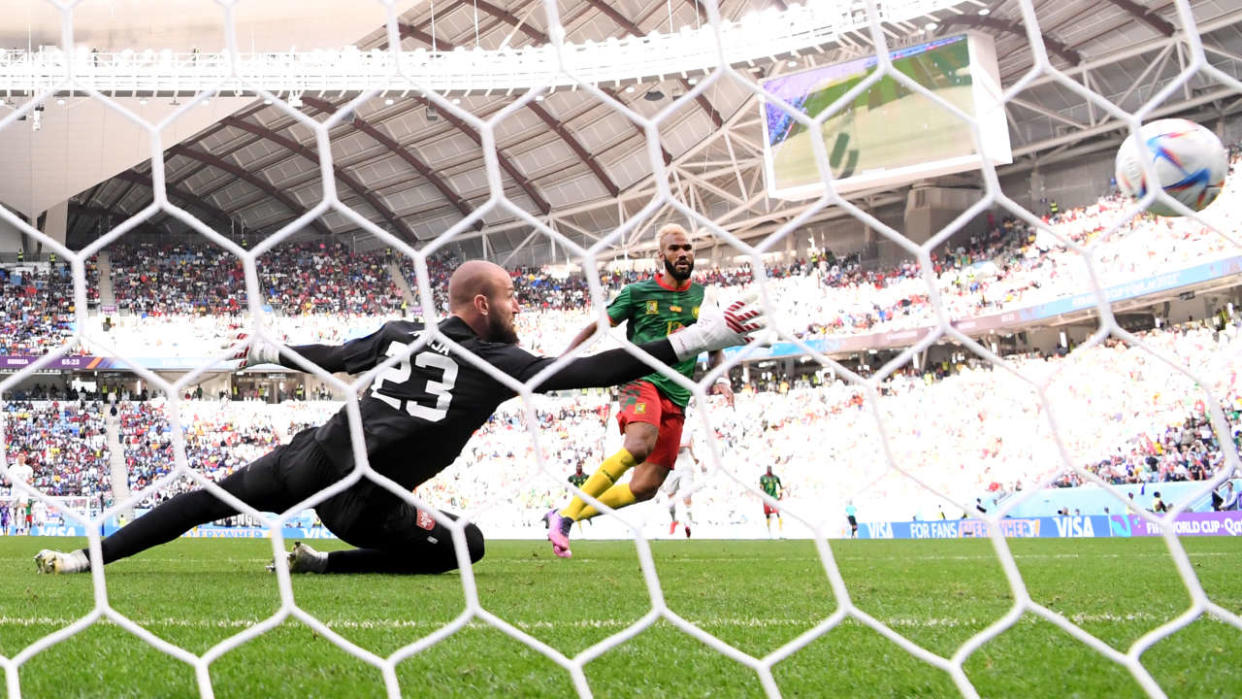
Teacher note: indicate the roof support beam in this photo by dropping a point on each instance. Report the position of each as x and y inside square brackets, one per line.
[400, 151]
[1145, 16]
[1057, 47]
[375, 203]
[559, 129]
[187, 199]
[556, 126]
[628, 25]
[80, 212]
[539, 37]
[253, 180]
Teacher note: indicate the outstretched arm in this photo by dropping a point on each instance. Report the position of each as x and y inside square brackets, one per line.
[330, 358]
[352, 357]
[714, 331]
[583, 335]
[609, 368]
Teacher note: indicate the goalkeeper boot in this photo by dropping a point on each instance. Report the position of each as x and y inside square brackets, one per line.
[558, 533]
[54, 562]
[304, 559]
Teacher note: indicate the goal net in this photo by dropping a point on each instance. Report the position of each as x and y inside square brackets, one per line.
[957, 325]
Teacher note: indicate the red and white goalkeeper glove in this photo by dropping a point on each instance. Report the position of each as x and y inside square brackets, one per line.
[257, 352]
[716, 329]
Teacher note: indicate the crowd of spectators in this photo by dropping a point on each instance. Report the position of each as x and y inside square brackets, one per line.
[312, 278]
[303, 278]
[64, 442]
[180, 299]
[176, 279]
[219, 438]
[36, 308]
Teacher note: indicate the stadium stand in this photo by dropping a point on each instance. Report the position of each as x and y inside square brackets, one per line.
[1004, 268]
[65, 443]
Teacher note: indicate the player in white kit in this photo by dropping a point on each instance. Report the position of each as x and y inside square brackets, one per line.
[20, 472]
[680, 482]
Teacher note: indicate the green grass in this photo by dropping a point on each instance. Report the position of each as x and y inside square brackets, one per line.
[756, 596]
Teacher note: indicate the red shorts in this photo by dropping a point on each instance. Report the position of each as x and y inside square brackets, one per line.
[641, 401]
[768, 510]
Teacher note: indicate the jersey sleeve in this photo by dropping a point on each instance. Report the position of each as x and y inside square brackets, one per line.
[621, 307]
[363, 353]
[608, 368]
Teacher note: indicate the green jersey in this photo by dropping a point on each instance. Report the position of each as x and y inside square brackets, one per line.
[577, 479]
[770, 485]
[652, 312]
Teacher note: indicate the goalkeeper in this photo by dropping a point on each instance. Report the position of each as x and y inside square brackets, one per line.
[416, 417]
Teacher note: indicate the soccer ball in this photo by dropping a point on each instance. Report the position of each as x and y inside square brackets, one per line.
[1188, 160]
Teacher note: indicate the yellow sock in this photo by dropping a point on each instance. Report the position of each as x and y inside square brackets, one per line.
[604, 477]
[616, 497]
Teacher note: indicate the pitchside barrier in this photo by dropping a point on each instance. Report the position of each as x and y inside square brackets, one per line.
[1083, 527]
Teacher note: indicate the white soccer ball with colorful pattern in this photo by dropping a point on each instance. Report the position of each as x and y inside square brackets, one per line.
[1189, 162]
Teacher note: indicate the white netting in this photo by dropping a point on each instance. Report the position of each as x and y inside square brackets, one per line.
[228, 73]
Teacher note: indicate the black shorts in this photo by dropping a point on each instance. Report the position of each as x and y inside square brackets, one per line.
[364, 514]
[293, 472]
[853, 522]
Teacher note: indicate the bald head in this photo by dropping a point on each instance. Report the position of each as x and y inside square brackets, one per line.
[481, 294]
[471, 279]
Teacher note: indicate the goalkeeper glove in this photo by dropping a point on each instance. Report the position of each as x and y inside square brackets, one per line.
[716, 330]
[257, 352]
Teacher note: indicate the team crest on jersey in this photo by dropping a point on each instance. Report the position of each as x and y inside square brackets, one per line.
[640, 409]
[653, 308]
[426, 521]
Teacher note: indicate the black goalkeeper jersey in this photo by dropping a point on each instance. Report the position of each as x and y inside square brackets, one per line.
[418, 414]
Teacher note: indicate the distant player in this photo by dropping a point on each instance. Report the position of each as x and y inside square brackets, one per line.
[770, 483]
[850, 511]
[20, 472]
[38, 513]
[652, 409]
[678, 488]
[576, 479]
[416, 417]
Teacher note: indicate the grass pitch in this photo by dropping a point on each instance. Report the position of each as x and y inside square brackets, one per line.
[756, 596]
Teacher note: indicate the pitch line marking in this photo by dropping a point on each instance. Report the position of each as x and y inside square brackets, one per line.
[717, 622]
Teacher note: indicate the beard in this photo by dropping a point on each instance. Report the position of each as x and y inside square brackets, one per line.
[671, 268]
[500, 331]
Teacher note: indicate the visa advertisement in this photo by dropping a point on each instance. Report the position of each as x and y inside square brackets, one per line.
[1086, 526]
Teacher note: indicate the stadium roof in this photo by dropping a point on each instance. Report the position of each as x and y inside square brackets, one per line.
[582, 167]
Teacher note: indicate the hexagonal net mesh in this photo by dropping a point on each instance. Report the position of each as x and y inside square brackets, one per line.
[393, 70]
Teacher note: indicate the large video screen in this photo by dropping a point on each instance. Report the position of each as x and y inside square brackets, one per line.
[888, 133]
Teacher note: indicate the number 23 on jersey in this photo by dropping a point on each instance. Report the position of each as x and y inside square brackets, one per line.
[440, 390]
